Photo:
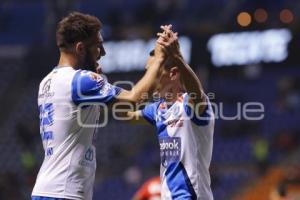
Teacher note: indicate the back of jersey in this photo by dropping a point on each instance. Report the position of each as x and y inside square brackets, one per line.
[69, 164]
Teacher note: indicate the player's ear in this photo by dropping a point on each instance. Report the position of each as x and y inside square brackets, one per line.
[79, 48]
[174, 73]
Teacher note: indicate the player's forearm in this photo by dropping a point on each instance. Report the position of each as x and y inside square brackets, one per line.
[191, 82]
[147, 82]
[143, 86]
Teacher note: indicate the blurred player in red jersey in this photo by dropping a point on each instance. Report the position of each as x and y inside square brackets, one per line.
[279, 193]
[150, 190]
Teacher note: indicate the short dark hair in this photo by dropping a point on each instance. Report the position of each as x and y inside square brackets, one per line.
[76, 27]
[169, 62]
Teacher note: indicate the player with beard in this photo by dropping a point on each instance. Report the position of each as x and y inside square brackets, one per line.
[69, 98]
[184, 121]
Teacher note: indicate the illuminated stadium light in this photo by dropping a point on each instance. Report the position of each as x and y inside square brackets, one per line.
[286, 16]
[260, 15]
[244, 19]
[247, 48]
[131, 55]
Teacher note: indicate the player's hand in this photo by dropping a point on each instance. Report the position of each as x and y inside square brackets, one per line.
[160, 52]
[169, 40]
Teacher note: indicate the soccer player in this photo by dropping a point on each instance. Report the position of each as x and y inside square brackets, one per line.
[68, 100]
[184, 122]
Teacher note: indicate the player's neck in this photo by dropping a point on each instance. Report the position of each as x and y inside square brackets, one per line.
[67, 60]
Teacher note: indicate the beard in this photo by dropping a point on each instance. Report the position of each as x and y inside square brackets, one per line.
[89, 63]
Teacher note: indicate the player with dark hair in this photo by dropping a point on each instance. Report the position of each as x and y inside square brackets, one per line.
[69, 98]
[184, 121]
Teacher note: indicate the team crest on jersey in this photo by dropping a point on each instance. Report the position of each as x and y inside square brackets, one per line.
[170, 150]
[171, 117]
[174, 112]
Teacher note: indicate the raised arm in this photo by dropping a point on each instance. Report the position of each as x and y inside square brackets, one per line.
[148, 80]
[192, 84]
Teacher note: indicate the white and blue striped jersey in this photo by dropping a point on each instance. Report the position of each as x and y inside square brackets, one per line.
[68, 129]
[186, 142]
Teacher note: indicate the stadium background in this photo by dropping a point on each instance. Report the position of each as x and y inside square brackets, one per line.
[250, 157]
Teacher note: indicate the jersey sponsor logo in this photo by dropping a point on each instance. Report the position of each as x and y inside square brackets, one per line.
[170, 150]
[46, 90]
